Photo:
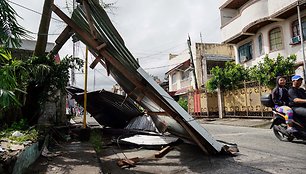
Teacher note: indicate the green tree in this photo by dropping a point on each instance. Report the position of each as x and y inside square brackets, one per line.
[228, 77]
[266, 72]
[11, 74]
[183, 103]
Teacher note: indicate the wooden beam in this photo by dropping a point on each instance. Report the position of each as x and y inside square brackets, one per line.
[95, 62]
[89, 19]
[163, 152]
[102, 46]
[61, 40]
[157, 113]
[94, 44]
[194, 135]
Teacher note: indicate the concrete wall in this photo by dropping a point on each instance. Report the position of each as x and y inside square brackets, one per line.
[26, 158]
[205, 49]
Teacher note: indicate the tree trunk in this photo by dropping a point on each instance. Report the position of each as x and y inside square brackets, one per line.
[42, 36]
[220, 103]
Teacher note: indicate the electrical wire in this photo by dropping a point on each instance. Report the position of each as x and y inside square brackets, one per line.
[160, 52]
[157, 67]
[32, 10]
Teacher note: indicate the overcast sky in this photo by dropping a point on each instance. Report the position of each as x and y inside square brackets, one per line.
[151, 30]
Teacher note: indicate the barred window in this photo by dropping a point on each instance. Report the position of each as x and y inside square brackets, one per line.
[296, 29]
[275, 39]
[245, 52]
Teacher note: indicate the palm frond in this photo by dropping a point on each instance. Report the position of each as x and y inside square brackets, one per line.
[8, 99]
[10, 31]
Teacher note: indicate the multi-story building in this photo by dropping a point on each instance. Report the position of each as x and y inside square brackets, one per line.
[259, 27]
[205, 57]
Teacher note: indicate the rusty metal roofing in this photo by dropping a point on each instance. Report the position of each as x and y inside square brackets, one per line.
[94, 28]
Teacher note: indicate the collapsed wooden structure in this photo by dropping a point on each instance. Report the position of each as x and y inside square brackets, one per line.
[91, 24]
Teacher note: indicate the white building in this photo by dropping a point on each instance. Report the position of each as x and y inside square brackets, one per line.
[260, 27]
[205, 57]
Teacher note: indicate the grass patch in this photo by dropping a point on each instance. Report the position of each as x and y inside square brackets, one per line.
[96, 140]
[30, 135]
[21, 126]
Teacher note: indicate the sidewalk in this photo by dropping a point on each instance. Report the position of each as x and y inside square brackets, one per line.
[256, 123]
[73, 157]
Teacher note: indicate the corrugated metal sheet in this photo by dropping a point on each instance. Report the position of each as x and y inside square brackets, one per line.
[109, 109]
[150, 140]
[143, 122]
[124, 68]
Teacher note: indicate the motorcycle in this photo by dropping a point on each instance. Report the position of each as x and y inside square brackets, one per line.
[279, 125]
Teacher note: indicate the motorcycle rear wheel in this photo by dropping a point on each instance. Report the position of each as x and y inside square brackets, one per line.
[280, 135]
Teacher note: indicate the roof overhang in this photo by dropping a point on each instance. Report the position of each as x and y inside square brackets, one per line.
[238, 37]
[218, 58]
[290, 10]
[252, 28]
[234, 4]
[182, 66]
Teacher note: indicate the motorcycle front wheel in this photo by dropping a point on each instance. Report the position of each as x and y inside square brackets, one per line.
[280, 135]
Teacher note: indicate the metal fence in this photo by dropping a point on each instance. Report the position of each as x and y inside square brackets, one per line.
[243, 102]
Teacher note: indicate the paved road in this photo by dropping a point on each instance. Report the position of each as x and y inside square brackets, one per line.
[260, 153]
[260, 149]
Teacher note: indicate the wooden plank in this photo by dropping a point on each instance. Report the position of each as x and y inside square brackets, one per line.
[163, 152]
[62, 39]
[124, 163]
[94, 44]
[157, 113]
[101, 46]
[89, 19]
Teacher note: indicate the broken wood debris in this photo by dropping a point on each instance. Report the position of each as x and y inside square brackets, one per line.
[163, 152]
[127, 163]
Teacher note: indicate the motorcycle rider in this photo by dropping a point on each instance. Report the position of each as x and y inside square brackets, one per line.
[297, 96]
[280, 98]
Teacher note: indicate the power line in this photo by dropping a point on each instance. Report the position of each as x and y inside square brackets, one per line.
[160, 52]
[32, 10]
[161, 66]
[44, 34]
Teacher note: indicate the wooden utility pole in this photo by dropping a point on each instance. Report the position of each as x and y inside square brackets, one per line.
[43, 31]
[192, 64]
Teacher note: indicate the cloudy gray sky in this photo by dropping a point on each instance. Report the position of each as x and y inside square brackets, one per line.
[151, 30]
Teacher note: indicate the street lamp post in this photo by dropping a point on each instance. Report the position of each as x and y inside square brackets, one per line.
[301, 38]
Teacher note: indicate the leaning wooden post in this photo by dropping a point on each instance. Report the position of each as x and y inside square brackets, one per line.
[220, 102]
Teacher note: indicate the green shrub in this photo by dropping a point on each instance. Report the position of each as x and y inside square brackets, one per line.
[183, 103]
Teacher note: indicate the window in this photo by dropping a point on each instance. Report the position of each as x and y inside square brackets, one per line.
[296, 30]
[174, 78]
[245, 52]
[260, 51]
[275, 39]
[185, 75]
